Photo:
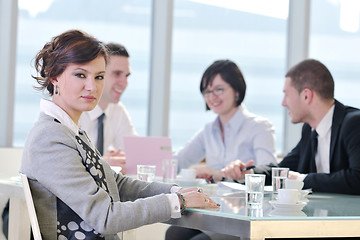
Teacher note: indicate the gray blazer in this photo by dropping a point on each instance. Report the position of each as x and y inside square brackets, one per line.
[76, 194]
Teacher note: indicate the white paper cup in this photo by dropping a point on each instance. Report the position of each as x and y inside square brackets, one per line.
[188, 173]
[294, 184]
[290, 196]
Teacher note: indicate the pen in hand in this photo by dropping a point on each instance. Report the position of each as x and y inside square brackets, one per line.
[244, 170]
[248, 168]
[211, 179]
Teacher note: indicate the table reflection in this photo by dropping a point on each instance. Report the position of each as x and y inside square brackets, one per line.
[253, 212]
[318, 206]
[324, 215]
[275, 212]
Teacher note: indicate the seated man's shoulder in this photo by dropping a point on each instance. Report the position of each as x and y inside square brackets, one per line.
[119, 106]
[351, 120]
[353, 114]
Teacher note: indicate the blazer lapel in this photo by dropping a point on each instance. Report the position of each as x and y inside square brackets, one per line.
[307, 163]
[339, 114]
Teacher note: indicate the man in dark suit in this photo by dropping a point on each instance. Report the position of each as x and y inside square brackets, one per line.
[333, 165]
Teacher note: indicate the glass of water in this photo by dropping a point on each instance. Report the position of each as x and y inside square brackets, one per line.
[146, 172]
[169, 169]
[254, 184]
[279, 176]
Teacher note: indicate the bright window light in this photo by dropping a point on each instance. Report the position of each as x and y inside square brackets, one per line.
[349, 15]
[35, 7]
[276, 9]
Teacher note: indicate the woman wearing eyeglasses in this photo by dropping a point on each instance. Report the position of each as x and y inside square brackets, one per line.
[235, 133]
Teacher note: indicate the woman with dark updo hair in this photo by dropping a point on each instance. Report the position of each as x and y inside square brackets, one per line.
[235, 133]
[76, 193]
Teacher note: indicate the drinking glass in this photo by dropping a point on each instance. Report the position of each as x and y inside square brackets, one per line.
[254, 184]
[169, 169]
[146, 172]
[279, 175]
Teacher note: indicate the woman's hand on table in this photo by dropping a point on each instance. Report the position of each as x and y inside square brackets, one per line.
[192, 189]
[195, 198]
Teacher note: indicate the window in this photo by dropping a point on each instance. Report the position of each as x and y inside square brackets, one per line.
[250, 33]
[334, 41]
[128, 23]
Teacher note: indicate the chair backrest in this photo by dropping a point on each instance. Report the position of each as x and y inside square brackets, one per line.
[31, 208]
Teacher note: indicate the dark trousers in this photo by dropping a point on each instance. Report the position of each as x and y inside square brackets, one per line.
[181, 233]
[5, 219]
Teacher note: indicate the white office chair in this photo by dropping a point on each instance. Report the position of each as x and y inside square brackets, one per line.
[31, 208]
[128, 235]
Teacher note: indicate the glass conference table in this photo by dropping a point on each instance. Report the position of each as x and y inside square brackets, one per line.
[324, 215]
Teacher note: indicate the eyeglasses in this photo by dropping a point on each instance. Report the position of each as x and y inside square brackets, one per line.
[216, 92]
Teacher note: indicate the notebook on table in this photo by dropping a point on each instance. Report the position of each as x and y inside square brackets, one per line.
[146, 151]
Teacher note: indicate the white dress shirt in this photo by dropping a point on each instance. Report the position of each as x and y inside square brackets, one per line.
[246, 137]
[53, 110]
[117, 124]
[322, 157]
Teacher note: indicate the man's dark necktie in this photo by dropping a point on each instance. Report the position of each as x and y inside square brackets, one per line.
[100, 138]
[314, 146]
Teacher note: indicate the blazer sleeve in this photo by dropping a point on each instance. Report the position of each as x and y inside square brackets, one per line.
[291, 160]
[56, 164]
[294, 160]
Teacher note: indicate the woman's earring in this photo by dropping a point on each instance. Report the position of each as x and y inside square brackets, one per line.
[56, 90]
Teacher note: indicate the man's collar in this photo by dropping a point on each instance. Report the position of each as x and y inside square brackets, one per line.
[326, 122]
[95, 113]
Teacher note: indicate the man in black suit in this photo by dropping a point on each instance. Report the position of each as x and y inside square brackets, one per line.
[334, 164]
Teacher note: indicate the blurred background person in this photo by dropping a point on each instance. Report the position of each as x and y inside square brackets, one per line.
[327, 157]
[235, 133]
[109, 122]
